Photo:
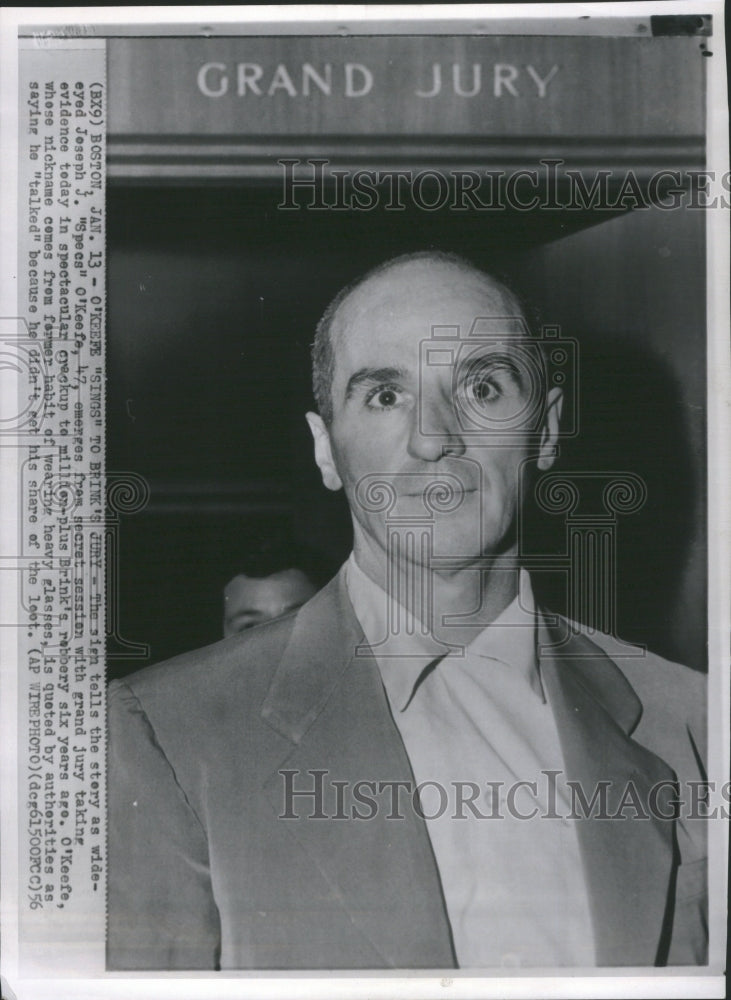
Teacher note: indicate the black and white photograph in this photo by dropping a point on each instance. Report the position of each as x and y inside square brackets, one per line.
[366, 463]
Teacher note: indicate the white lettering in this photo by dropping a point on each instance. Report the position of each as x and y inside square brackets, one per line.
[249, 73]
[476, 80]
[309, 73]
[203, 84]
[350, 80]
[436, 82]
[504, 76]
[541, 83]
[282, 81]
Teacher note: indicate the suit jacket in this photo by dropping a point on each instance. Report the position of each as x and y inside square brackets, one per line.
[206, 872]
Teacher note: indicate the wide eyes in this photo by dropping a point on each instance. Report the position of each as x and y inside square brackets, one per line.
[385, 397]
[484, 390]
[479, 383]
[489, 383]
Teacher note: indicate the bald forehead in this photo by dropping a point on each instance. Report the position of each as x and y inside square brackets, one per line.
[419, 284]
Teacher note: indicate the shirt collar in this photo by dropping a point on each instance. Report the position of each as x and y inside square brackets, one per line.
[403, 657]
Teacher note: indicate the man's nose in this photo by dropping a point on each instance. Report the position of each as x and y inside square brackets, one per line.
[435, 433]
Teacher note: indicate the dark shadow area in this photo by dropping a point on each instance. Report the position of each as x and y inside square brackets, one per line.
[631, 421]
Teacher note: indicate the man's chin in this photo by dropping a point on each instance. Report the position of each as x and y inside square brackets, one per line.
[465, 549]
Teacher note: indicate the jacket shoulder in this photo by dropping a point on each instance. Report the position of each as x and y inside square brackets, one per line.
[663, 686]
[237, 670]
[673, 723]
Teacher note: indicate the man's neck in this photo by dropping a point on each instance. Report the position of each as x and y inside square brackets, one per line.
[469, 598]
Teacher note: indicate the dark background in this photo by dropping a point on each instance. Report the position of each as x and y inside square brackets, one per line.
[213, 299]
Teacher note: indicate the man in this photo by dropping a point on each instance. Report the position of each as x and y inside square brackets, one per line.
[389, 778]
[263, 595]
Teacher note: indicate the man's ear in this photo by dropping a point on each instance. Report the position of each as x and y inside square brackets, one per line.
[323, 452]
[549, 434]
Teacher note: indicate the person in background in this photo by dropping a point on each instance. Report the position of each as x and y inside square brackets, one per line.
[270, 589]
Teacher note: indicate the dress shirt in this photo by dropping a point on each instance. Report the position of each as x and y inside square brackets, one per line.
[474, 723]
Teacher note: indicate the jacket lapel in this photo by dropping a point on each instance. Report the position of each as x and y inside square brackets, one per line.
[628, 861]
[330, 704]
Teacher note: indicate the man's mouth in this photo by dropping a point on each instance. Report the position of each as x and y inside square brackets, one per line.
[425, 492]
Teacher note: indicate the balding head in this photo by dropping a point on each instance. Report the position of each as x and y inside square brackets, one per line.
[415, 275]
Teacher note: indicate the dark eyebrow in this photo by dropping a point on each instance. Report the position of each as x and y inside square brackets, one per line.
[493, 359]
[373, 376]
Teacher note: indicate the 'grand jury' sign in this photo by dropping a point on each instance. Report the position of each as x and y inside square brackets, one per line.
[352, 79]
[478, 86]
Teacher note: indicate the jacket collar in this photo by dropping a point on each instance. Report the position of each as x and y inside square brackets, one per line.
[326, 635]
[323, 641]
[564, 645]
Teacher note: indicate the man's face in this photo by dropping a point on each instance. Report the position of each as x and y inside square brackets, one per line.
[408, 423]
[249, 601]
